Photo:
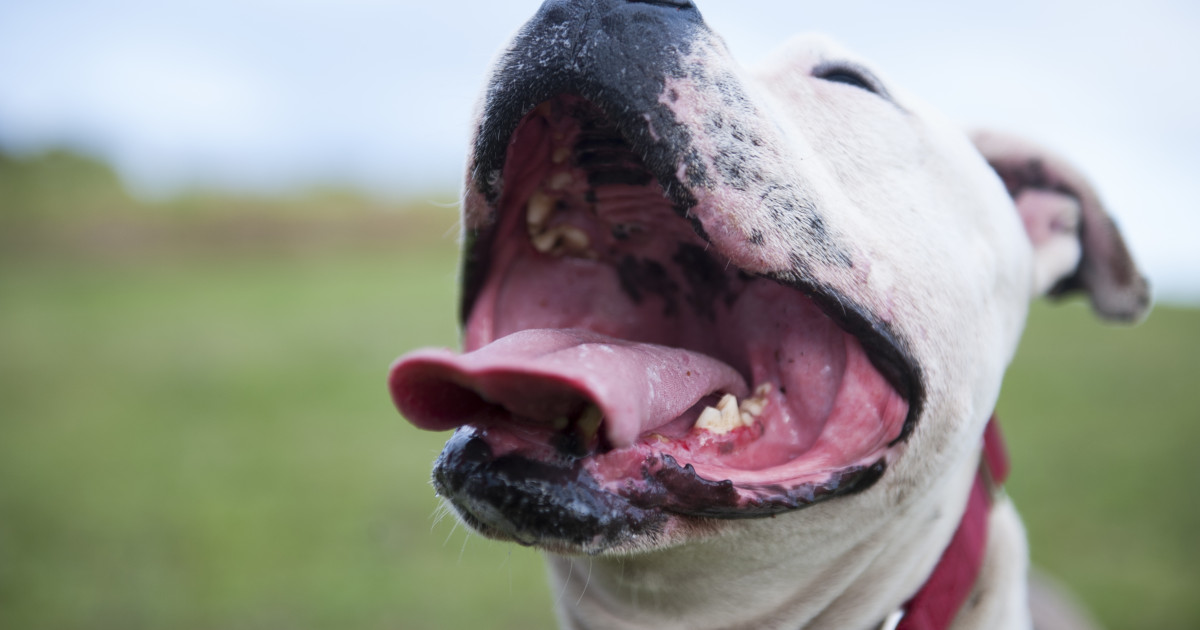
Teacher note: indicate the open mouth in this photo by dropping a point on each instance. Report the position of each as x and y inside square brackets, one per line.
[615, 355]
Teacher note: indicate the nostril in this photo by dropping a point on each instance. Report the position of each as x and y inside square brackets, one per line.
[678, 4]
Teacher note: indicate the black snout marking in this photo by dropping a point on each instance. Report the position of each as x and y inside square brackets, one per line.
[641, 276]
[531, 501]
[678, 4]
[618, 54]
[706, 279]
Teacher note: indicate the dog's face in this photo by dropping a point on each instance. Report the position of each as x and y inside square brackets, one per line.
[696, 297]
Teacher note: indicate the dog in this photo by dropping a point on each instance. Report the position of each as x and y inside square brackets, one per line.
[733, 340]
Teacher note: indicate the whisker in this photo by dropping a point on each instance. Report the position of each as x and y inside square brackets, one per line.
[586, 583]
[566, 583]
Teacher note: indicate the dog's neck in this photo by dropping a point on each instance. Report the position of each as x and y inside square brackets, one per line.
[937, 604]
[821, 573]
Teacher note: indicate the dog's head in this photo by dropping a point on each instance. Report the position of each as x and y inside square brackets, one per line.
[695, 295]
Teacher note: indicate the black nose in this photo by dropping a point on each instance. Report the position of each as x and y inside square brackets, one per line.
[679, 4]
[578, 11]
[617, 54]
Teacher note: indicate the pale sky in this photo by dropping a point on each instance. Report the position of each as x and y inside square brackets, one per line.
[266, 95]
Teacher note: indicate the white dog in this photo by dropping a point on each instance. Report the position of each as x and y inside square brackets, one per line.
[738, 336]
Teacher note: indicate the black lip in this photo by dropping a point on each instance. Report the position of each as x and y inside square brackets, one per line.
[557, 505]
[535, 502]
[680, 490]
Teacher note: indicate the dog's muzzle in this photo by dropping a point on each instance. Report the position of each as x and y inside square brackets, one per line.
[622, 365]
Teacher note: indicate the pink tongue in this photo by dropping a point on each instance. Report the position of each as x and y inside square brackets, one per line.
[543, 374]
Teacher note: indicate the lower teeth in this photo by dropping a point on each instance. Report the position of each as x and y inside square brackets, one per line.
[729, 414]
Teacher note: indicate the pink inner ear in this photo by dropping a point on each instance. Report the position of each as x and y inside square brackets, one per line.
[1048, 215]
[1052, 221]
[1101, 265]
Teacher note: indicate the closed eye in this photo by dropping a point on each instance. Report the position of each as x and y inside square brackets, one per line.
[850, 74]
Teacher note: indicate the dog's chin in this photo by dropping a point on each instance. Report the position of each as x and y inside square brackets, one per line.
[551, 503]
[624, 382]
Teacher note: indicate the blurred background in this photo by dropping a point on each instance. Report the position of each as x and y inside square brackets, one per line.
[220, 221]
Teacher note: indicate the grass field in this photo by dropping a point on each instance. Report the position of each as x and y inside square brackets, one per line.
[198, 435]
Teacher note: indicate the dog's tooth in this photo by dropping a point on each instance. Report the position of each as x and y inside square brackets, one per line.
[728, 406]
[751, 408]
[538, 210]
[722, 419]
[563, 239]
[589, 422]
[545, 242]
[560, 181]
[710, 420]
[574, 240]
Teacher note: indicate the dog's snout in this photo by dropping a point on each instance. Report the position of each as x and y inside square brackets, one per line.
[578, 11]
[678, 4]
[618, 55]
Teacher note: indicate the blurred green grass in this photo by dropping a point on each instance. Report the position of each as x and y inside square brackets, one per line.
[1103, 424]
[194, 430]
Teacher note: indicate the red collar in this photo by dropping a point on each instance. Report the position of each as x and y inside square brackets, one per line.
[943, 594]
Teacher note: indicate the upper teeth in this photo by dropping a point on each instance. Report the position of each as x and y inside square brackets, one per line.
[729, 415]
[589, 422]
[560, 181]
[538, 211]
[561, 239]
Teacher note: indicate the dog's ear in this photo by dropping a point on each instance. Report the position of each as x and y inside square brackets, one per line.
[1076, 244]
